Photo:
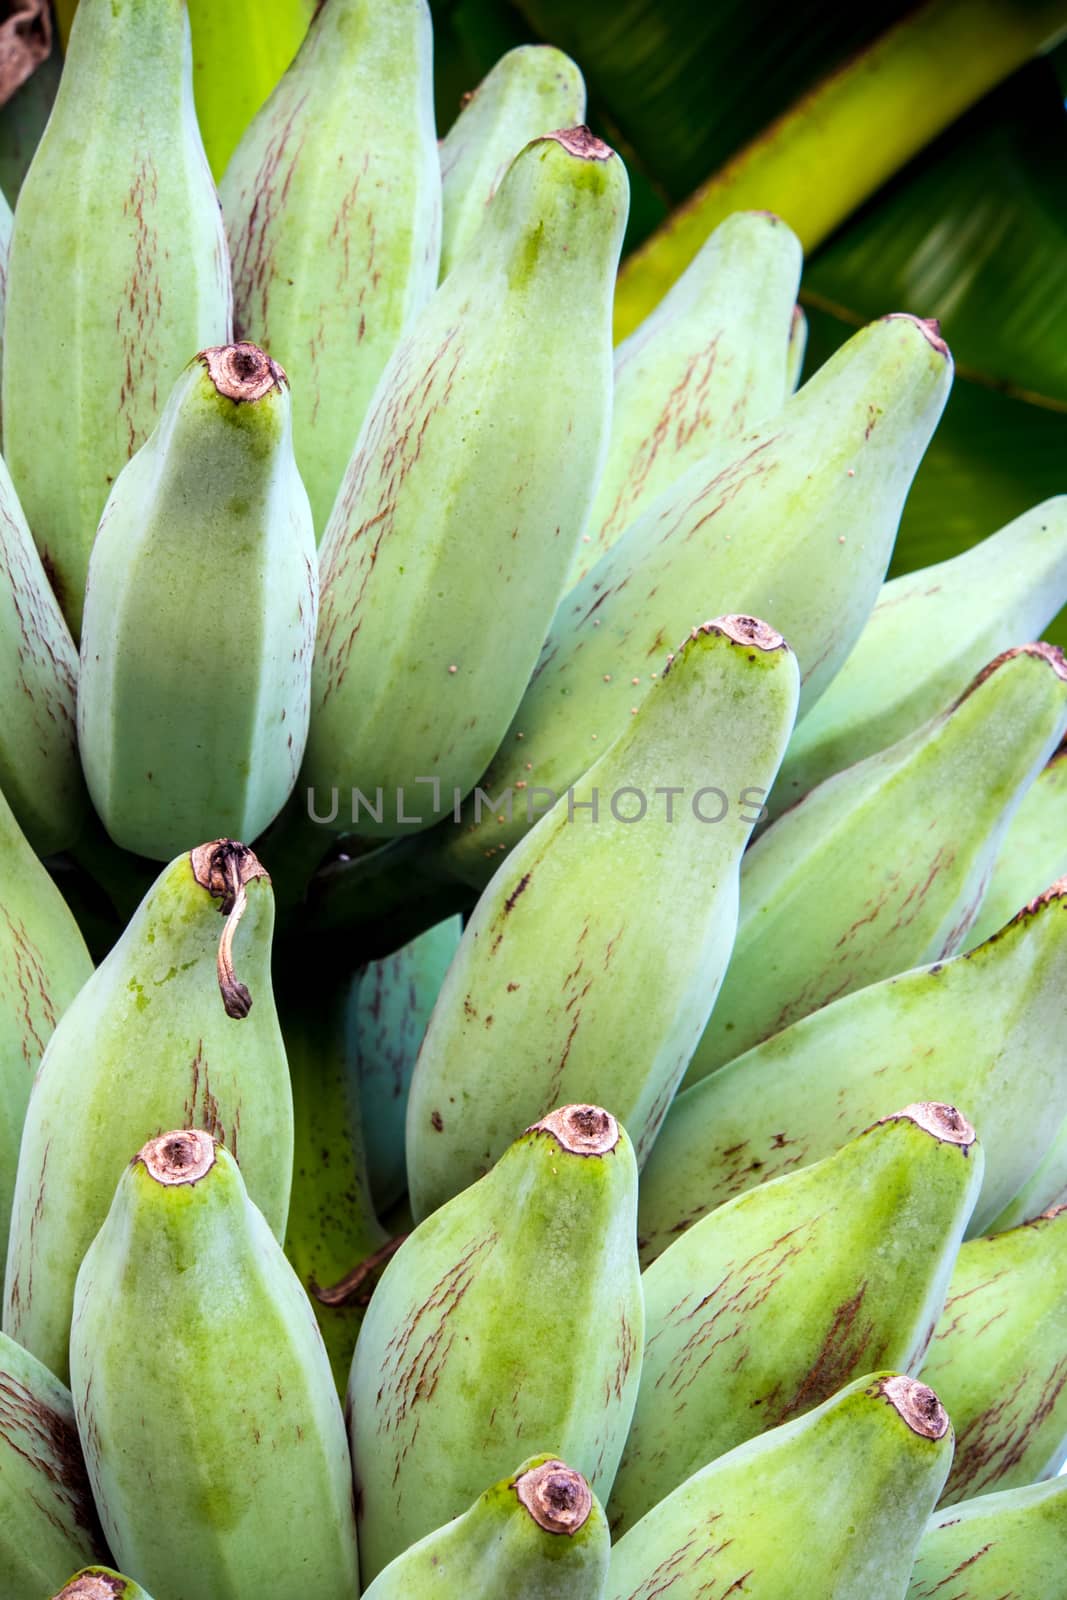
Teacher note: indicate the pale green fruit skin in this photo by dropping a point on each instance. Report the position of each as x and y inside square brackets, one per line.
[390, 1009]
[214, 1437]
[194, 732]
[796, 349]
[144, 1047]
[998, 1358]
[48, 1524]
[39, 769]
[769, 1305]
[1033, 854]
[982, 1032]
[496, 1548]
[332, 1225]
[704, 368]
[240, 50]
[119, 208]
[1007, 1546]
[43, 964]
[1046, 1187]
[842, 1494]
[883, 866]
[759, 533]
[511, 1319]
[930, 632]
[591, 962]
[332, 202]
[499, 396]
[7, 223]
[530, 91]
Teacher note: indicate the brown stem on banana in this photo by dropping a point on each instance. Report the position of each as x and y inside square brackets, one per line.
[357, 1286]
[224, 868]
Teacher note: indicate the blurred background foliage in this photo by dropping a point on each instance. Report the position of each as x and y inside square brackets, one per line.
[919, 152]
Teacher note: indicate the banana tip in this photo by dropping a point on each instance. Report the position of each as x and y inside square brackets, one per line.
[182, 1157]
[94, 1585]
[915, 1404]
[944, 1122]
[580, 1130]
[242, 372]
[929, 327]
[558, 1499]
[581, 142]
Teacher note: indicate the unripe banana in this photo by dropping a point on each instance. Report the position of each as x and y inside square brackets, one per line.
[996, 1547]
[119, 214]
[529, 91]
[332, 1222]
[43, 964]
[48, 1523]
[450, 538]
[999, 1358]
[538, 1535]
[186, 732]
[930, 632]
[221, 1470]
[884, 865]
[510, 1319]
[101, 1583]
[240, 50]
[829, 1506]
[391, 1007]
[39, 770]
[796, 528]
[149, 1043]
[705, 368]
[796, 349]
[1033, 852]
[332, 202]
[1045, 1189]
[7, 223]
[769, 1305]
[564, 986]
[983, 1031]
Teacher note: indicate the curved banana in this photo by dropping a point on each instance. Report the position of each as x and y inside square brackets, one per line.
[188, 732]
[148, 1043]
[119, 216]
[1033, 853]
[995, 1546]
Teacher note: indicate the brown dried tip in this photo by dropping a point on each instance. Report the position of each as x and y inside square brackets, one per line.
[94, 1584]
[916, 1405]
[1046, 652]
[223, 868]
[177, 1158]
[580, 1130]
[557, 1498]
[748, 632]
[944, 1122]
[1055, 891]
[928, 326]
[242, 371]
[581, 142]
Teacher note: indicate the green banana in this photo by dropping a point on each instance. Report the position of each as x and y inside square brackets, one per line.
[706, 367]
[796, 528]
[332, 202]
[48, 1523]
[530, 90]
[101, 1583]
[884, 865]
[39, 769]
[999, 1358]
[1045, 1188]
[7, 223]
[511, 1318]
[982, 1031]
[499, 396]
[796, 349]
[769, 1305]
[830, 1506]
[930, 632]
[240, 50]
[221, 1470]
[332, 1221]
[538, 1535]
[1033, 853]
[563, 986]
[119, 217]
[43, 964]
[147, 1043]
[190, 731]
[1007, 1546]
[391, 1007]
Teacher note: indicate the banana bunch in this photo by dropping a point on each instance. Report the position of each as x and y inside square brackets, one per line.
[533, 1040]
